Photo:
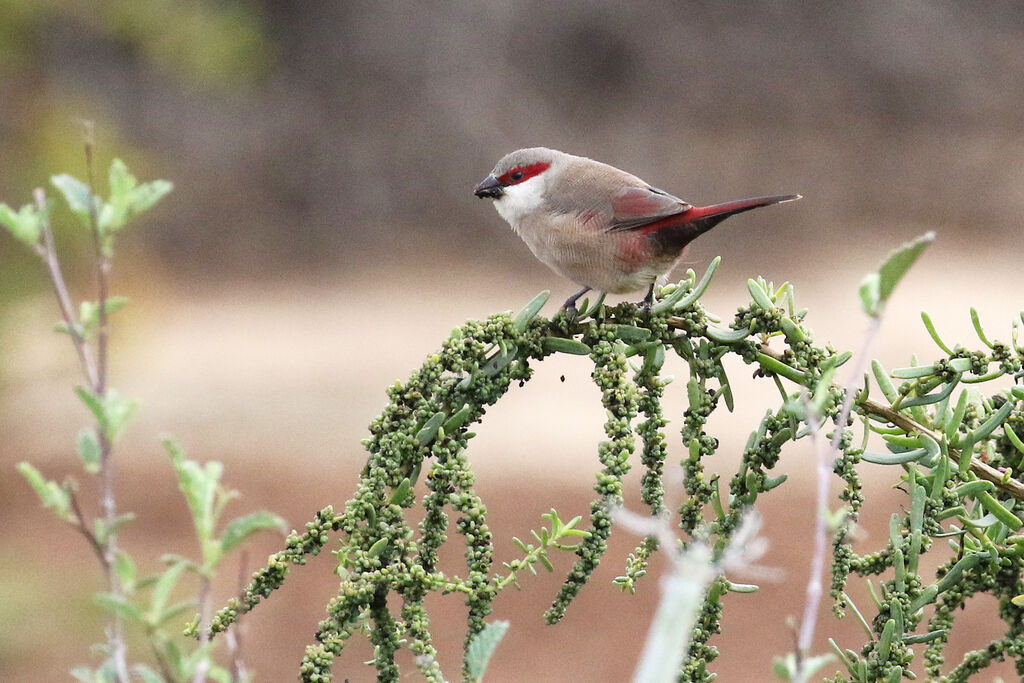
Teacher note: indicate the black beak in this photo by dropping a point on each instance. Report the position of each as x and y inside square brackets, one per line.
[489, 187]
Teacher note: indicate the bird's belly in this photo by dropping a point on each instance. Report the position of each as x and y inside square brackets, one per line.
[608, 262]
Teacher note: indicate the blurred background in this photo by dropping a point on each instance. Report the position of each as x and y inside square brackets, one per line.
[323, 238]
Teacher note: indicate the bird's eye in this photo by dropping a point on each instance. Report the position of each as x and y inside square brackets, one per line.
[516, 175]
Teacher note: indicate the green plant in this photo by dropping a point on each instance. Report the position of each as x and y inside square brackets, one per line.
[957, 460]
[142, 603]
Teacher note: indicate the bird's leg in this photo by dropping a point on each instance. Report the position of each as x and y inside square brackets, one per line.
[648, 300]
[570, 303]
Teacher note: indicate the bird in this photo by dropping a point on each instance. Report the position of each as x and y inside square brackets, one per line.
[597, 225]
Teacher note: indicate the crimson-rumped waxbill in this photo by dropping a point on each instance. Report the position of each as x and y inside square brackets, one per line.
[597, 225]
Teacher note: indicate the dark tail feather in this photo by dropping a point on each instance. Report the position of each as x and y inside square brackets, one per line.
[675, 234]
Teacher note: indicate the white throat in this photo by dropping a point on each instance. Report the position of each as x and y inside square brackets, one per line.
[520, 200]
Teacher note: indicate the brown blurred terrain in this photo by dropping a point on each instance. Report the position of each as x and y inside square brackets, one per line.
[322, 239]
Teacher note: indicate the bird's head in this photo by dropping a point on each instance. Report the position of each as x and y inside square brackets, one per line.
[519, 179]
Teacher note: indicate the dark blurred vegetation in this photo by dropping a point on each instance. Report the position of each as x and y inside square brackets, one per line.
[323, 134]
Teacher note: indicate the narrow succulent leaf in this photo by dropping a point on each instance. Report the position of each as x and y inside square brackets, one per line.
[995, 508]
[457, 419]
[759, 296]
[727, 336]
[928, 399]
[632, 334]
[429, 430]
[924, 637]
[956, 572]
[779, 368]
[913, 372]
[894, 458]
[958, 415]
[531, 310]
[378, 547]
[884, 383]
[561, 345]
[935, 335]
[977, 327]
[702, 286]
[1012, 436]
[997, 418]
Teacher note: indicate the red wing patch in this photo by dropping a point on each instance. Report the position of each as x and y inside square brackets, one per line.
[635, 207]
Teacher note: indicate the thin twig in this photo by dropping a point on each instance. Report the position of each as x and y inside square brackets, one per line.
[47, 251]
[825, 462]
[98, 381]
[82, 525]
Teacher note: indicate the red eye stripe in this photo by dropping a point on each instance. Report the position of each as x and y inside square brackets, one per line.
[522, 173]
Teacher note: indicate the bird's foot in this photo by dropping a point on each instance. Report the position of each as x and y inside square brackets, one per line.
[569, 307]
[648, 301]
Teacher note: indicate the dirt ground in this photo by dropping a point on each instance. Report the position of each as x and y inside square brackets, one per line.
[279, 379]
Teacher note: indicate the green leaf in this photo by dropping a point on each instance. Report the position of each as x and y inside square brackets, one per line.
[868, 292]
[25, 224]
[561, 345]
[121, 181]
[199, 484]
[482, 646]
[89, 311]
[977, 328]
[148, 194]
[632, 334]
[727, 336]
[124, 566]
[457, 419]
[934, 335]
[104, 529]
[894, 458]
[119, 604]
[52, 494]
[162, 591]
[146, 674]
[119, 411]
[83, 674]
[95, 406]
[429, 430]
[530, 311]
[89, 450]
[77, 194]
[996, 509]
[899, 262]
[759, 296]
[240, 528]
[892, 271]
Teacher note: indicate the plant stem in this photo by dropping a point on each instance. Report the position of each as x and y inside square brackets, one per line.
[825, 459]
[115, 633]
[47, 251]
